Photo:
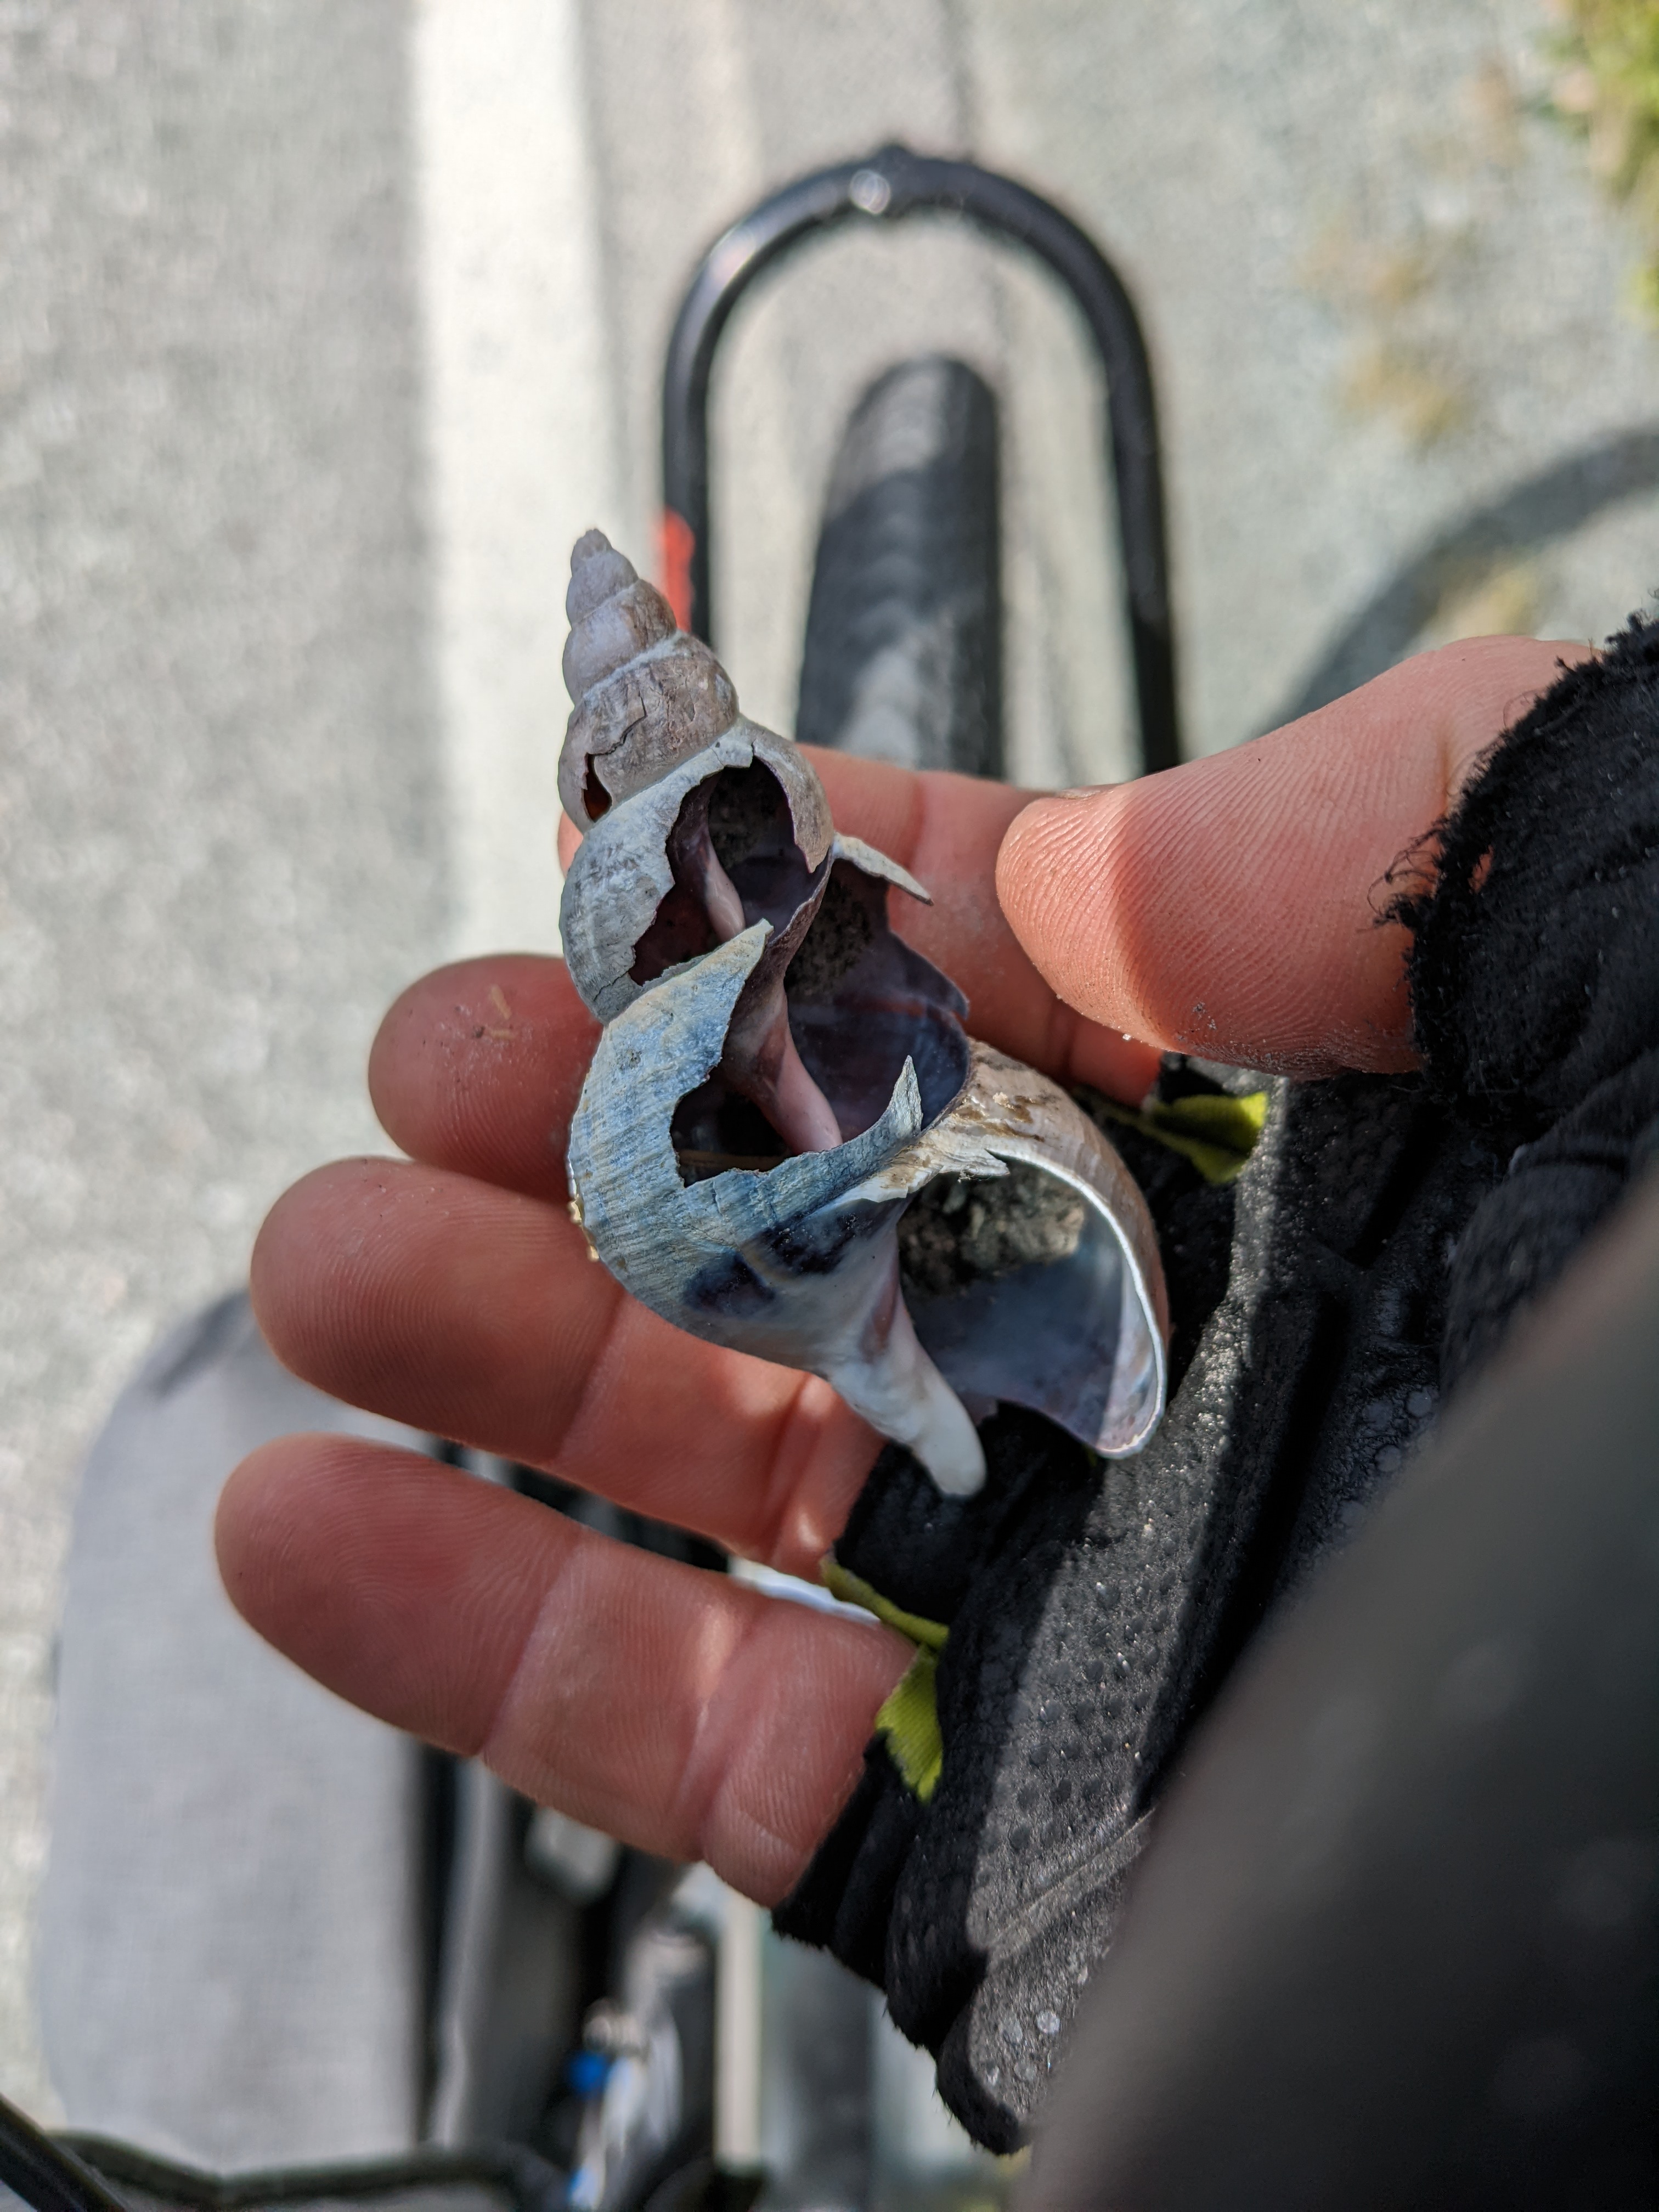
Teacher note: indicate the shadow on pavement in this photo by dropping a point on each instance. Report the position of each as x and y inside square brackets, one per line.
[1557, 501]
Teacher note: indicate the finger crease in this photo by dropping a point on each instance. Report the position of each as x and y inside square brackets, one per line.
[783, 1489]
[570, 1539]
[593, 1369]
[703, 1773]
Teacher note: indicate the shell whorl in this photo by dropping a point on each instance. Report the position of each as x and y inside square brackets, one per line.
[645, 694]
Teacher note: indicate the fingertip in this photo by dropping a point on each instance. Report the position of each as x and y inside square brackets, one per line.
[333, 1289]
[236, 1524]
[478, 1066]
[281, 1267]
[1038, 835]
[265, 1526]
[402, 1584]
[1056, 879]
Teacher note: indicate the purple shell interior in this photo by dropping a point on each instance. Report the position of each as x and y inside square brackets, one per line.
[860, 1002]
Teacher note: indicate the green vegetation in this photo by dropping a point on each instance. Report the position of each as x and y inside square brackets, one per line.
[1606, 87]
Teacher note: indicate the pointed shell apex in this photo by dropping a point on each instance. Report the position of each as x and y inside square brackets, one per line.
[596, 570]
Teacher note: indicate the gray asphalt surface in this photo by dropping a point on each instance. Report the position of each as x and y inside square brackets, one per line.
[1382, 298]
[222, 848]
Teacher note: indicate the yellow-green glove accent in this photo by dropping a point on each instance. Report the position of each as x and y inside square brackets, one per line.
[908, 1721]
[1217, 1133]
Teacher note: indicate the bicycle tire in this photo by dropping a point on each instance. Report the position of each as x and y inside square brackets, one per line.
[902, 659]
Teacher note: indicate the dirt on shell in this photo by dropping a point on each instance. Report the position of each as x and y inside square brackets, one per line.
[956, 1233]
[841, 933]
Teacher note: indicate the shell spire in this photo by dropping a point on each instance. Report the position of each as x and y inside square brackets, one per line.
[645, 694]
[784, 1108]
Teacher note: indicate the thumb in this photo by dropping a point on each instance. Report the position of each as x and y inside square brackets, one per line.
[1234, 907]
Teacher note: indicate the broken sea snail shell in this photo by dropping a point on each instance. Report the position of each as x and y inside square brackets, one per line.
[786, 1142]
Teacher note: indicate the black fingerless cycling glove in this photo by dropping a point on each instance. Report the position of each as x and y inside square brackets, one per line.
[1074, 1620]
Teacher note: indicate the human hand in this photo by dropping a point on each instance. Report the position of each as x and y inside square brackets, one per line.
[1228, 907]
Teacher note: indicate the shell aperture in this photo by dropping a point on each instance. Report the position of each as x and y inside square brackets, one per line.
[786, 1142]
